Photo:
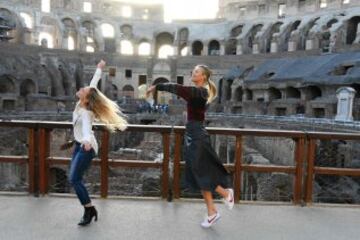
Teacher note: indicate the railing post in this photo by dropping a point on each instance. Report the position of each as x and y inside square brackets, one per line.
[104, 166]
[176, 180]
[299, 159]
[44, 143]
[165, 165]
[310, 170]
[32, 155]
[237, 174]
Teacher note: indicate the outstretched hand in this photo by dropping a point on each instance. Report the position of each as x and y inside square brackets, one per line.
[150, 91]
[101, 64]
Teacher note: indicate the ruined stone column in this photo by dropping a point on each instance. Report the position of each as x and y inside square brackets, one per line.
[345, 96]
[274, 47]
[222, 49]
[291, 46]
[255, 48]
[239, 49]
[205, 50]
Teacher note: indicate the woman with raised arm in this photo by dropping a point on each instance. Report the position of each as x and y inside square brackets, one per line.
[203, 170]
[92, 105]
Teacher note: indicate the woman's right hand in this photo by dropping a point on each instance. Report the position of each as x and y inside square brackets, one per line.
[87, 146]
[101, 64]
[150, 91]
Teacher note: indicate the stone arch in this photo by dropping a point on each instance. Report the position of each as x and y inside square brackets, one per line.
[293, 27]
[114, 92]
[352, 29]
[108, 37]
[160, 80]
[231, 43]
[306, 31]
[46, 20]
[230, 47]
[69, 23]
[183, 34]
[238, 94]
[8, 16]
[163, 38]
[326, 35]
[89, 34]
[52, 27]
[27, 20]
[292, 92]
[70, 32]
[197, 48]
[214, 48]
[275, 28]
[7, 84]
[144, 47]
[313, 92]
[107, 30]
[11, 21]
[274, 94]
[331, 22]
[254, 30]
[356, 87]
[183, 49]
[161, 67]
[267, 75]
[249, 94]
[126, 31]
[236, 31]
[128, 91]
[27, 87]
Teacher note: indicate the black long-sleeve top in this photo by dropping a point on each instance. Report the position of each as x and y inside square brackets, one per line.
[196, 98]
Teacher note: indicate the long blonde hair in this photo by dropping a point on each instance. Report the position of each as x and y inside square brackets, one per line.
[106, 110]
[212, 90]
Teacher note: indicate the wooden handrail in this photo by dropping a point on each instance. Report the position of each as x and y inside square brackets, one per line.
[39, 158]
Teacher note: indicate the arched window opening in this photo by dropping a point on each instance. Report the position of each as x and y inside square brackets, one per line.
[126, 47]
[144, 49]
[166, 51]
[27, 20]
[46, 40]
[107, 30]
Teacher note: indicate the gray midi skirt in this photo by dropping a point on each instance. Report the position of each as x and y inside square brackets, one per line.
[203, 169]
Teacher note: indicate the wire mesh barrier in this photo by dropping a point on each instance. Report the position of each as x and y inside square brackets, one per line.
[17, 168]
[332, 168]
[265, 165]
[242, 170]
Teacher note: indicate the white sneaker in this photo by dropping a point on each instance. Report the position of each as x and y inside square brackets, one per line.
[229, 201]
[210, 220]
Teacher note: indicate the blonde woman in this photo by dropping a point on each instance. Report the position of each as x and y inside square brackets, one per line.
[92, 105]
[204, 169]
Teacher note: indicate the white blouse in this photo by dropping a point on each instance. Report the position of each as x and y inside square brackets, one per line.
[83, 119]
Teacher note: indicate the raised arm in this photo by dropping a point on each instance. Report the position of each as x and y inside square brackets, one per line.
[97, 75]
[185, 92]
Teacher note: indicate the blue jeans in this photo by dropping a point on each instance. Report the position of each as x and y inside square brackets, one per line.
[80, 162]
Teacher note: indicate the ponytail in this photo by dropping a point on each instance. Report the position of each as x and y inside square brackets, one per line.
[212, 91]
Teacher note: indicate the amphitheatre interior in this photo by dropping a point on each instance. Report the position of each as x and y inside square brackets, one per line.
[277, 64]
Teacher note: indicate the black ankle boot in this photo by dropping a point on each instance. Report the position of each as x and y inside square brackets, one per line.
[89, 213]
